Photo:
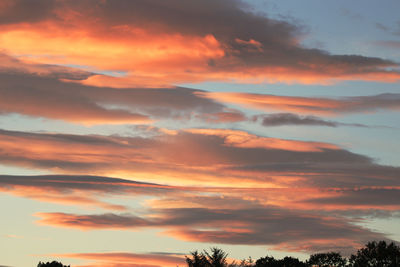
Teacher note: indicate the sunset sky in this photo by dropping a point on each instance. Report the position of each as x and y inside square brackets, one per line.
[135, 131]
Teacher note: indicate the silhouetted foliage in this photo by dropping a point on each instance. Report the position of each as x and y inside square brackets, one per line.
[330, 259]
[374, 254]
[267, 261]
[377, 254]
[51, 264]
[197, 260]
[245, 263]
[272, 262]
[217, 257]
[291, 262]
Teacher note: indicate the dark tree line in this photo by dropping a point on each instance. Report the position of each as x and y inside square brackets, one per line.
[374, 254]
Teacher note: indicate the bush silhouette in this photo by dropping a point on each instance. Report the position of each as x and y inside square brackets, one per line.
[51, 264]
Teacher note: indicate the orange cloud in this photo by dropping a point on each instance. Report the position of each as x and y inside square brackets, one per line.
[245, 140]
[83, 191]
[70, 198]
[309, 105]
[113, 259]
[172, 48]
[153, 57]
[215, 157]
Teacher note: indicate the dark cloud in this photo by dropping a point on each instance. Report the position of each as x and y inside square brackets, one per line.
[281, 119]
[362, 197]
[26, 11]
[82, 191]
[332, 175]
[262, 226]
[14, 66]
[63, 183]
[46, 96]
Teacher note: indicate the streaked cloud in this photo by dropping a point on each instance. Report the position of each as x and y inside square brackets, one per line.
[220, 157]
[80, 190]
[262, 226]
[114, 259]
[371, 197]
[310, 105]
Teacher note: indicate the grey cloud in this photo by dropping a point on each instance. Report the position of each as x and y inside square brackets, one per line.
[339, 174]
[14, 66]
[389, 44]
[281, 119]
[80, 190]
[33, 95]
[63, 183]
[395, 30]
[362, 197]
[20, 11]
[381, 26]
[262, 226]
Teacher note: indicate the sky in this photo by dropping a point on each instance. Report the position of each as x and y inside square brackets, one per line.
[133, 132]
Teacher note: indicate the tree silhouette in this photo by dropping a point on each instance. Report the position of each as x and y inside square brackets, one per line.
[286, 262]
[217, 257]
[245, 263]
[51, 264]
[377, 254]
[291, 262]
[267, 261]
[197, 260]
[330, 259]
